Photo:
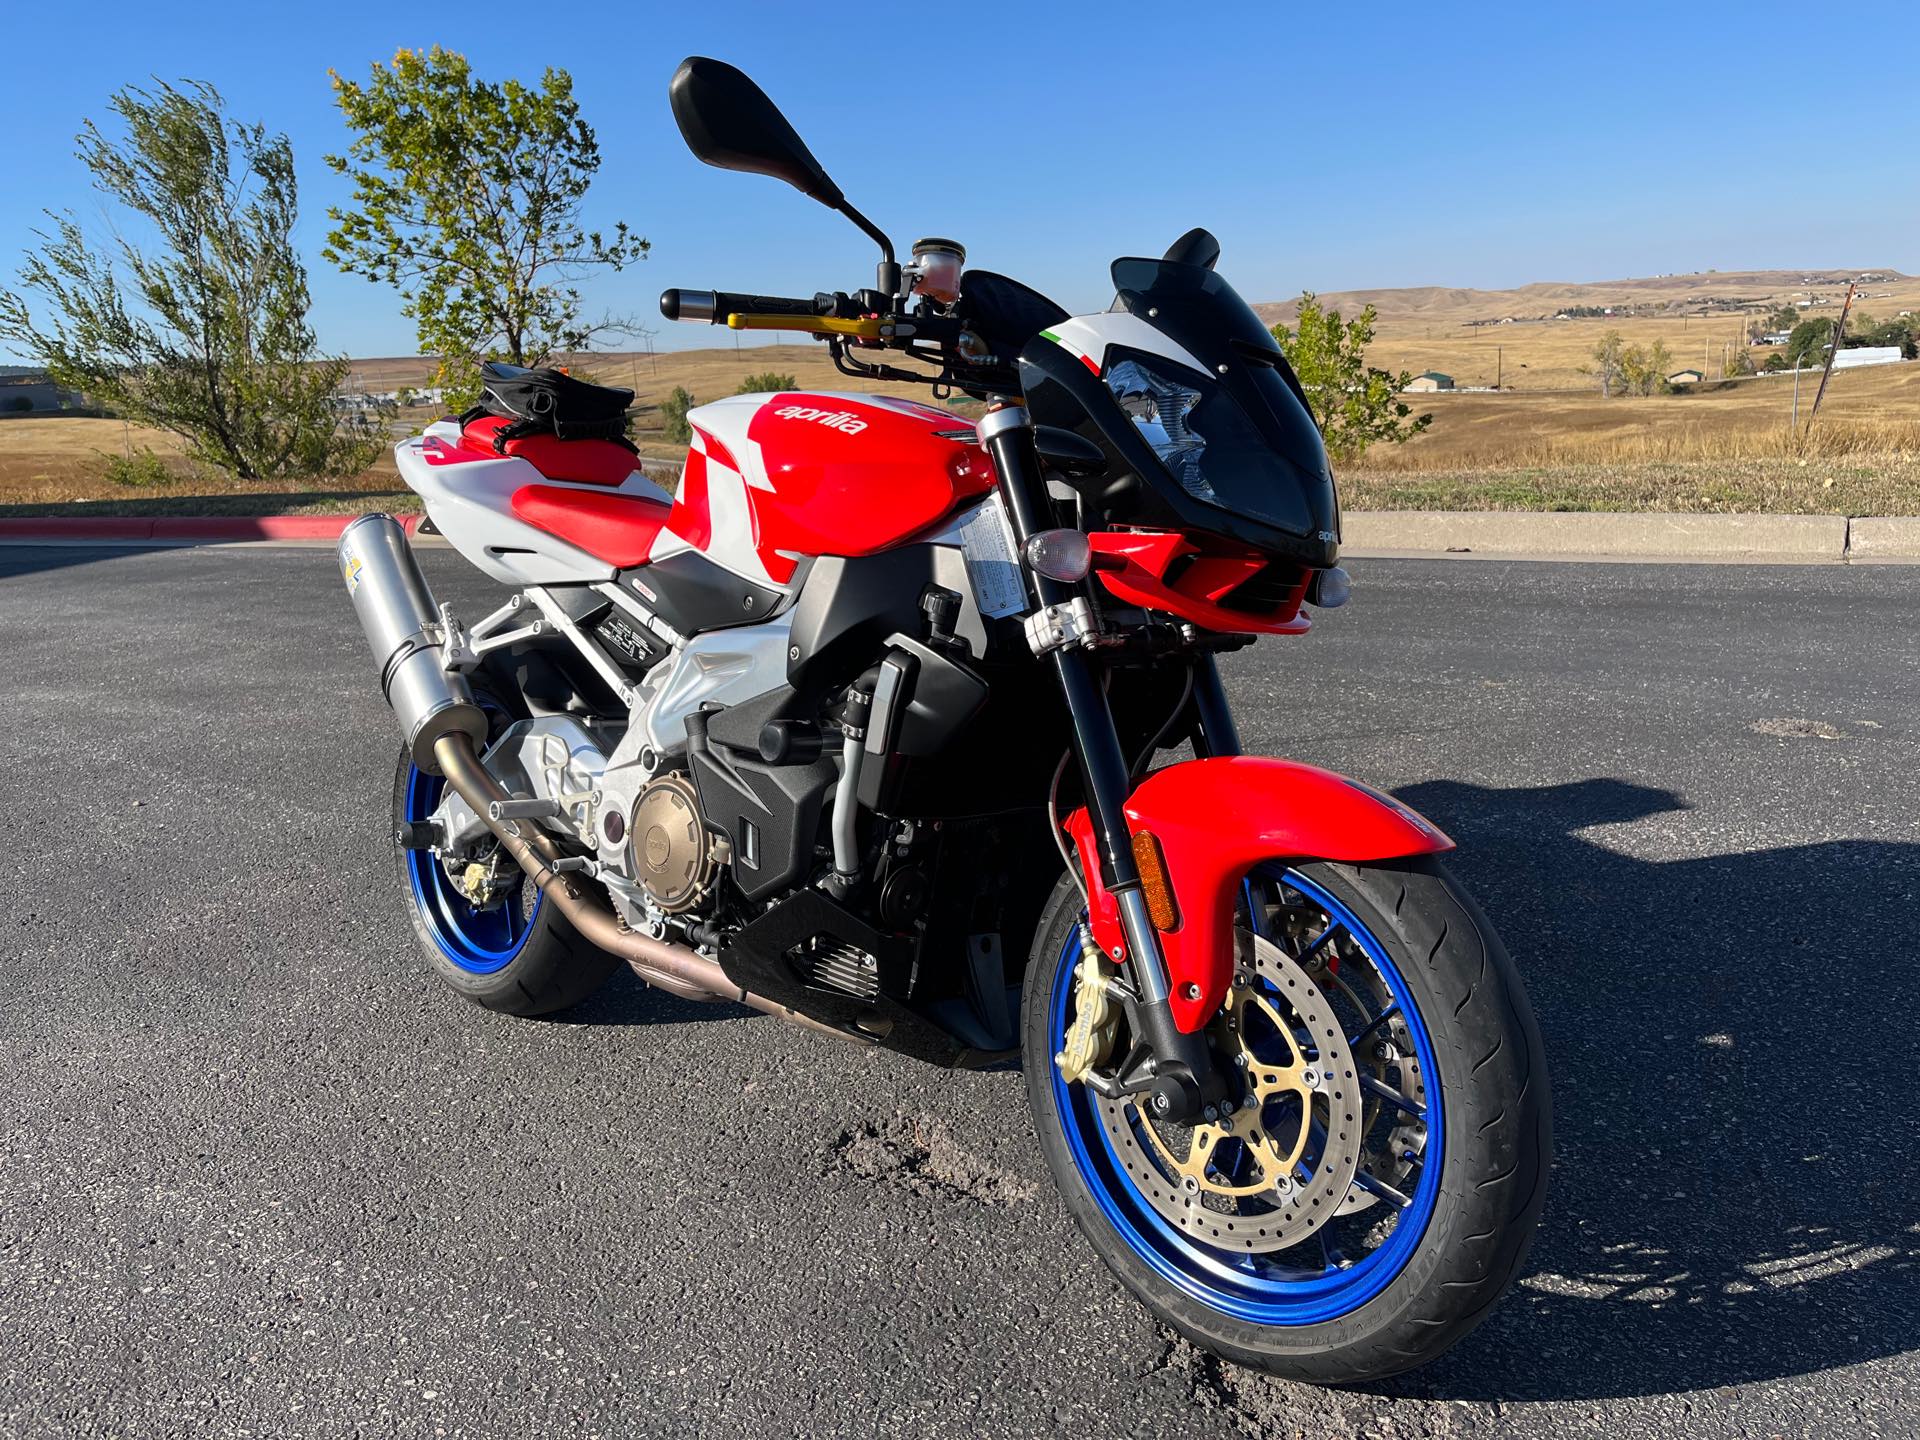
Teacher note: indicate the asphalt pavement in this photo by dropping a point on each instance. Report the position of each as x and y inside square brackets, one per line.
[261, 1176]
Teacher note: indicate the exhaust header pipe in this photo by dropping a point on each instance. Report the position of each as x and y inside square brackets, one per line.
[397, 612]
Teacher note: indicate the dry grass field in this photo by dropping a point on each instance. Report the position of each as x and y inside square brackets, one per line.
[1547, 440]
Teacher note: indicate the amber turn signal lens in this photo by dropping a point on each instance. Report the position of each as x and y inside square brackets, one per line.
[1154, 884]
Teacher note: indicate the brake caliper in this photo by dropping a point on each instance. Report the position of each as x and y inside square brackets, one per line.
[1095, 1016]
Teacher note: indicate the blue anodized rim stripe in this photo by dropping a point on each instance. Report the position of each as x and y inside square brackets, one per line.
[480, 942]
[1238, 1285]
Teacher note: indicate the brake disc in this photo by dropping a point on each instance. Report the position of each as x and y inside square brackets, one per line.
[1387, 1055]
[1267, 1175]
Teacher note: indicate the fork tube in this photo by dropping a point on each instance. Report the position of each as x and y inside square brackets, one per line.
[1184, 1074]
[1218, 734]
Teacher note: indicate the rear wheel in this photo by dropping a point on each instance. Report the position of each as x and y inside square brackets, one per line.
[1375, 1186]
[484, 928]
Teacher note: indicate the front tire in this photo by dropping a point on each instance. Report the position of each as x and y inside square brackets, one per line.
[1453, 1222]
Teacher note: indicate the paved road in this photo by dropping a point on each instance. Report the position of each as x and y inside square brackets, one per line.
[259, 1176]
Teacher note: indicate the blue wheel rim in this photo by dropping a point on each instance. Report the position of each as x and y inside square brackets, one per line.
[1257, 1289]
[480, 942]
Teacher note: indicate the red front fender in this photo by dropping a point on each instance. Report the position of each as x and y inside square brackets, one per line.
[1215, 820]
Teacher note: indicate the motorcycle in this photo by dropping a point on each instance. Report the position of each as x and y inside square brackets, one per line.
[862, 726]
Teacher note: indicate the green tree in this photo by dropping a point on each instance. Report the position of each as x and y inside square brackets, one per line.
[767, 381]
[1807, 345]
[1739, 362]
[202, 332]
[468, 200]
[673, 415]
[1774, 362]
[1606, 361]
[1783, 318]
[1644, 370]
[1354, 404]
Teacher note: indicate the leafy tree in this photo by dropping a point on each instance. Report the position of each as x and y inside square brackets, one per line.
[1783, 318]
[1808, 343]
[673, 415]
[468, 200]
[1775, 361]
[767, 381]
[1354, 404]
[204, 332]
[1739, 362]
[1644, 370]
[1902, 331]
[1606, 361]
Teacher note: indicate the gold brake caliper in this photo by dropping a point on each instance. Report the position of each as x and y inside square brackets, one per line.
[1095, 1016]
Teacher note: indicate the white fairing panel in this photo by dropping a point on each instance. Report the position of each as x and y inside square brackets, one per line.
[470, 500]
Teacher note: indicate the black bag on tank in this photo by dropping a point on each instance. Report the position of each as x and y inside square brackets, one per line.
[548, 402]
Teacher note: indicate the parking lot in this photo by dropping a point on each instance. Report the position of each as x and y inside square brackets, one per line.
[262, 1176]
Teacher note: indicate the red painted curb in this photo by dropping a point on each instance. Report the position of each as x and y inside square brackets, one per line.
[184, 529]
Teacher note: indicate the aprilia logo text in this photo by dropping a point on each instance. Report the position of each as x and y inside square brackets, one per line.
[842, 420]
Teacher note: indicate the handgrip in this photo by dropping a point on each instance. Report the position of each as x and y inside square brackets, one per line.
[712, 307]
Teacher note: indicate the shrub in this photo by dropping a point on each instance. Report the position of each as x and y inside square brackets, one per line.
[767, 381]
[138, 471]
[673, 414]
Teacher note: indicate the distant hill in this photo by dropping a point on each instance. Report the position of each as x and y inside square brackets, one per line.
[1702, 292]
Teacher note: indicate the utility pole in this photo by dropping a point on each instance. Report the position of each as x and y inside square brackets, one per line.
[1833, 349]
[1499, 366]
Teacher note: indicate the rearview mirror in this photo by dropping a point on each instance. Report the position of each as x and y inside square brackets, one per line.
[728, 121]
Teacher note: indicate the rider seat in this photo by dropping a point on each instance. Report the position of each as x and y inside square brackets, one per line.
[584, 462]
[619, 529]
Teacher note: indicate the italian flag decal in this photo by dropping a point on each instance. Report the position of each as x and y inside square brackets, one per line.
[1084, 358]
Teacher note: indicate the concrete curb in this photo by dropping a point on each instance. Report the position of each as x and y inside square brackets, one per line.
[1573, 535]
[180, 529]
[1884, 537]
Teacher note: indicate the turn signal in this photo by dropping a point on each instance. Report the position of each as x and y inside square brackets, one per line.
[1154, 884]
[1329, 589]
[1063, 555]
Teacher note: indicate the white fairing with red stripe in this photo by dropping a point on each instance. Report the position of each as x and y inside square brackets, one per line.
[469, 498]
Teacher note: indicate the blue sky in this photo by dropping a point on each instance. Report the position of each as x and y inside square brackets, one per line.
[1330, 147]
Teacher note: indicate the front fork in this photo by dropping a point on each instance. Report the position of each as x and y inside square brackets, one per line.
[1184, 1079]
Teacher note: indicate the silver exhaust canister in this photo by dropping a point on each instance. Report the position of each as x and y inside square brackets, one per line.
[402, 623]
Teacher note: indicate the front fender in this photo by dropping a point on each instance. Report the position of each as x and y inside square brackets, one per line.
[1217, 819]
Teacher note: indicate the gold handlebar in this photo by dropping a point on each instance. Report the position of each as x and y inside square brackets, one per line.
[867, 328]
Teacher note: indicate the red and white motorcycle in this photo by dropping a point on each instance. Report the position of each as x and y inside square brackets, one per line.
[860, 727]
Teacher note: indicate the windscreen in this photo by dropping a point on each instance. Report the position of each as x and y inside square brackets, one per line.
[1236, 434]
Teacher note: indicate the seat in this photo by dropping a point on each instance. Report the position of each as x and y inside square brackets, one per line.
[619, 529]
[585, 462]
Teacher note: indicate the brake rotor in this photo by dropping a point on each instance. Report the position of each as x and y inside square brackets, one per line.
[1386, 1053]
[1280, 1165]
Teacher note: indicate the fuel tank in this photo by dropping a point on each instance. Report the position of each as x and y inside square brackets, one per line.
[774, 479]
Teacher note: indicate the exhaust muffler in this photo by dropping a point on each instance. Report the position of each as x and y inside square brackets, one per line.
[397, 612]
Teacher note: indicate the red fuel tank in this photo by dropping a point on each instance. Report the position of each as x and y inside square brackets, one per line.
[832, 474]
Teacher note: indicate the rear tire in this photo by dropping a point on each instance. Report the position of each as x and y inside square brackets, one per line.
[522, 957]
[1486, 1193]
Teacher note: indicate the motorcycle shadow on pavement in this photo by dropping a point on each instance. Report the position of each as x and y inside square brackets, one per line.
[1735, 1124]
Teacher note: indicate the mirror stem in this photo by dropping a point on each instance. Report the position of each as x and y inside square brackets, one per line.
[887, 276]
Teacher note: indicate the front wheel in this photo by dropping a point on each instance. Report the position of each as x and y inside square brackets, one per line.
[1376, 1184]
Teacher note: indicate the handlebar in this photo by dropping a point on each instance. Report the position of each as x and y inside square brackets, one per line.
[712, 307]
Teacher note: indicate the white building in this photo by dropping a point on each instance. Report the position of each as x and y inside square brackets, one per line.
[1866, 355]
